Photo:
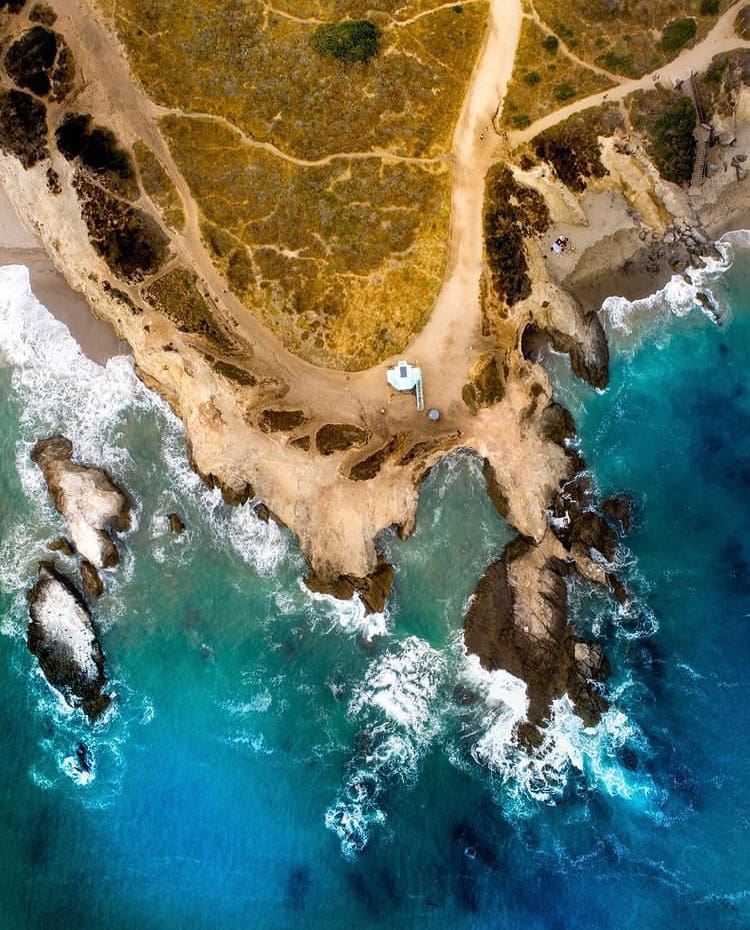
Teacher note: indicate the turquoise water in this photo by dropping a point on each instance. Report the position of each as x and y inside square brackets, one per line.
[275, 760]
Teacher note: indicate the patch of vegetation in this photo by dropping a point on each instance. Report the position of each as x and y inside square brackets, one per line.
[98, 151]
[176, 295]
[667, 120]
[12, 6]
[281, 421]
[618, 34]
[341, 259]
[542, 81]
[677, 34]
[564, 92]
[486, 384]
[742, 23]
[232, 372]
[159, 186]
[572, 147]
[129, 240]
[338, 437]
[511, 211]
[42, 13]
[23, 127]
[351, 40]
[30, 59]
[719, 85]
[368, 468]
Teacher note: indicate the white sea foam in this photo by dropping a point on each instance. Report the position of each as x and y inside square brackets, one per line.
[61, 390]
[348, 616]
[398, 706]
[569, 750]
[679, 296]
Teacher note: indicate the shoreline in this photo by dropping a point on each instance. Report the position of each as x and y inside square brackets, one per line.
[19, 246]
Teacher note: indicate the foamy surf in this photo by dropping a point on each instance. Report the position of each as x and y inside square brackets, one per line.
[681, 295]
[569, 753]
[399, 708]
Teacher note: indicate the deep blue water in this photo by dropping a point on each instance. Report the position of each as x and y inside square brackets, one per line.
[229, 772]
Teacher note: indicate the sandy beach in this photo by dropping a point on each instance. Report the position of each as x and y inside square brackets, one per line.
[20, 246]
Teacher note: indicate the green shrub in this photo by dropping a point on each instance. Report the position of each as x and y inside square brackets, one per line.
[351, 40]
[100, 152]
[677, 34]
[551, 44]
[710, 8]
[532, 77]
[521, 121]
[30, 59]
[668, 120]
[564, 92]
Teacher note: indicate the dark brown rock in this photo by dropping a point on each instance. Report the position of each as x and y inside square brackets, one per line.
[494, 491]
[93, 586]
[262, 512]
[556, 424]
[338, 437]
[547, 655]
[61, 544]
[62, 637]
[373, 589]
[619, 509]
[589, 361]
[176, 523]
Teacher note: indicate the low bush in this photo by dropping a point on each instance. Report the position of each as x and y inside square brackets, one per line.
[352, 40]
[677, 34]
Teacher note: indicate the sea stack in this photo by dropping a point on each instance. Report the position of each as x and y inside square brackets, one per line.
[62, 637]
[93, 506]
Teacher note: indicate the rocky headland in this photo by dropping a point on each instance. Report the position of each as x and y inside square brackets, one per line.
[335, 455]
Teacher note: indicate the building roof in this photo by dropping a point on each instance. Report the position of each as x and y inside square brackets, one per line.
[404, 377]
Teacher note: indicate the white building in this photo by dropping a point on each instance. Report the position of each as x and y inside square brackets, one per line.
[406, 377]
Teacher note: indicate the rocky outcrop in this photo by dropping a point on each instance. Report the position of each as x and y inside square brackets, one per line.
[176, 523]
[373, 589]
[589, 356]
[93, 586]
[517, 621]
[93, 506]
[62, 637]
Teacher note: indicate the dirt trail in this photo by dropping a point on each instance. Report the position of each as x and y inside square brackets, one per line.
[722, 38]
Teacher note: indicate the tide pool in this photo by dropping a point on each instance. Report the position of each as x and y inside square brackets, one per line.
[278, 760]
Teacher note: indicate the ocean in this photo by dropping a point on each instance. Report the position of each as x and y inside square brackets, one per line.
[276, 759]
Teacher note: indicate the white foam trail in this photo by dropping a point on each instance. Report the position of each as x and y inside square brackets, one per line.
[347, 616]
[398, 704]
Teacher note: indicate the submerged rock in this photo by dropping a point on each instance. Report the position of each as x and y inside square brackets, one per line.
[93, 586]
[62, 637]
[61, 544]
[93, 506]
[176, 523]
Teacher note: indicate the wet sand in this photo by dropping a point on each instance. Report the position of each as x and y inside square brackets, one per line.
[20, 246]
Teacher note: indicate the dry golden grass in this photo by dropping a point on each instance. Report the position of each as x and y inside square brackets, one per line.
[544, 80]
[622, 36]
[341, 256]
